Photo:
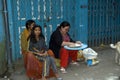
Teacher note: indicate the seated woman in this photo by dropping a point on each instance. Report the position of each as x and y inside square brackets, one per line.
[33, 66]
[38, 47]
[58, 40]
[24, 35]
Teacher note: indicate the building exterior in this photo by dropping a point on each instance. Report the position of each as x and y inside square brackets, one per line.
[94, 22]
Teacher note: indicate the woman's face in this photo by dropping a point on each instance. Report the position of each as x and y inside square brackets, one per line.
[31, 26]
[65, 29]
[37, 31]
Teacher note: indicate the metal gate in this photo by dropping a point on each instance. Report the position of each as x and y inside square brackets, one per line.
[49, 14]
[103, 22]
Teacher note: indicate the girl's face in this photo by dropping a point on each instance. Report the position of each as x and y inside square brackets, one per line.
[31, 26]
[37, 31]
[65, 29]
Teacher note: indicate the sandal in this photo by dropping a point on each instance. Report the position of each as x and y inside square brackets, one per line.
[63, 70]
[75, 63]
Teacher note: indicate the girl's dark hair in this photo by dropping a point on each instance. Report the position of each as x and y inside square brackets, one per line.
[64, 24]
[28, 23]
[32, 35]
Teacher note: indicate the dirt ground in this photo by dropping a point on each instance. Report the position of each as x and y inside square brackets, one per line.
[106, 69]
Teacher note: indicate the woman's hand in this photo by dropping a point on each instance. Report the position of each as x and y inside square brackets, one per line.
[67, 43]
[71, 43]
[40, 54]
[78, 42]
[43, 54]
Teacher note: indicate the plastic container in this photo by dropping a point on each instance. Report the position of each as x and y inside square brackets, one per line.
[89, 62]
[89, 53]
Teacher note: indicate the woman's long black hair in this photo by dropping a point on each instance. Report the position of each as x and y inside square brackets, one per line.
[28, 23]
[63, 24]
[32, 35]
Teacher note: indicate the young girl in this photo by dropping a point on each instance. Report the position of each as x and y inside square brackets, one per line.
[38, 46]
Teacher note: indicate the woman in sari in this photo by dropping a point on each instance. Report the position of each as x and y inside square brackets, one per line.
[38, 47]
[24, 43]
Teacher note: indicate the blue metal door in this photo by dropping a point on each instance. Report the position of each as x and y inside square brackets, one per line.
[94, 22]
[81, 20]
[103, 22]
[44, 12]
[3, 60]
[49, 14]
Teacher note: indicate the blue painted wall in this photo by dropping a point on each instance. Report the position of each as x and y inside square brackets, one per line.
[94, 22]
[81, 20]
[48, 13]
[3, 60]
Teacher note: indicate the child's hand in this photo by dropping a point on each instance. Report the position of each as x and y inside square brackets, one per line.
[45, 53]
[40, 54]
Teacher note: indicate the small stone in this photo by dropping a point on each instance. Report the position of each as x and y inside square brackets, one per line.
[5, 77]
[76, 74]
